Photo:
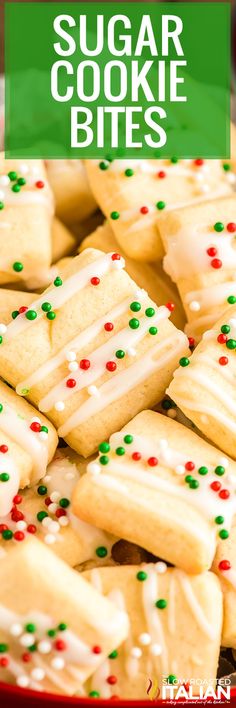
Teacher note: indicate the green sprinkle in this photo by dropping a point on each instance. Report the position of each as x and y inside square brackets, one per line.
[15, 188]
[193, 484]
[153, 330]
[219, 519]
[1, 206]
[226, 166]
[188, 478]
[46, 307]
[166, 404]
[7, 535]
[31, 315]
[120, 451]
[101, 551]
[225, 329]
[21, 181]
[114, 215]
[64, 502]
[12, 176]
[103, 165]
[62, 626]
[174, 160]
[3, 648]
[184, 361]
[51, 315]
[223, 534]
[1, 407]
[104, 460]
[17, 266]
[104, 447]
[41, 515]
[160, 205]
[149, 312]
[31, 628]
[128, 439]
[57, 281]
[24, 391]
[135, 306]
[113, 654]
[172, 678]
[220, 470]
[0, 339]
[231, 344]
[94, 694]
[4, 477]
[42, 490]
[231, 299]
[14, 314]
[141, 575]
[33, 647]
[44, 428]
[203, 470]
[120, 354]
[161, 604]
[129, 172]
[134, 323]
[51, 632]
[218, 226]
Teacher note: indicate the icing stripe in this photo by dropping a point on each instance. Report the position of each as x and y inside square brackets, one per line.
[19, 430]
[206, 627]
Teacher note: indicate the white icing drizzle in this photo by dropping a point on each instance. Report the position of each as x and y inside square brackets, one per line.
[125, 338]
[19, 430]
[29, 193]
[60, 295]
[206, 627]
[129, 378]
[188, 256]
[154, 624]
[10, 488]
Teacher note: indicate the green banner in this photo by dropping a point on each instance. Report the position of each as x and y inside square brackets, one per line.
[96, 80]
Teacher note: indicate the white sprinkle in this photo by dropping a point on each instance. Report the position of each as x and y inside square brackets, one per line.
[3, 328]
[47, 478]
[73, 366]
[58, 663]
[50, 539]
[16, 629]
[230, 177]
[52, 507]
[180, 469]
[93, 391]
[27, 639]
[224, 462]
[131, 351]
[144, 639]
[94, 468]
[59, 406]
[22, 681]
[21, 525]
[136, 652]
[2, 194]
[4, 180]
[118, 265]
[35, 420]
[37, 674]
[70, 475]
[55, 496]
[45, 522]
[172, 413]
[63, 521]
[156, 649]
[163, 443]
[204, 187]
[43, 435]
[140, 294]
[54, 527]
[24, 169]
[232, 322]
[194, 306]
[44, 647]
[161, 567]
[70, 356]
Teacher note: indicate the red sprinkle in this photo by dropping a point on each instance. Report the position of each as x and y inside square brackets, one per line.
[3, 448]
[115, 257]
[31, 528]
[222, 338]
[224, 494]
[71, 383]
[23, 309]
[39, 184]
[111, 366]
[3, 527]
[112, 680]
[4, 661]
[212, 251]
[191, 342]
[170, 306]
[216, 486]
[17, 515]
[60, 645]
[231, 227]
[161, 174]
[60, 512]
[144, 210]
[136, 456]
[216, 263]
[19, 536]
[96, 650]
[199, 162]
[17, 499]
[190, 466]
[47, 501]
[223, 360]
[108, 326]
[152, 461]
[26, 657]
[95, 281]
[84, 364]
[36, 427]
[224, 565]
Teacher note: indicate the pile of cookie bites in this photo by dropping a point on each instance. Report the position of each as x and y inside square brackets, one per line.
[117, 424]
